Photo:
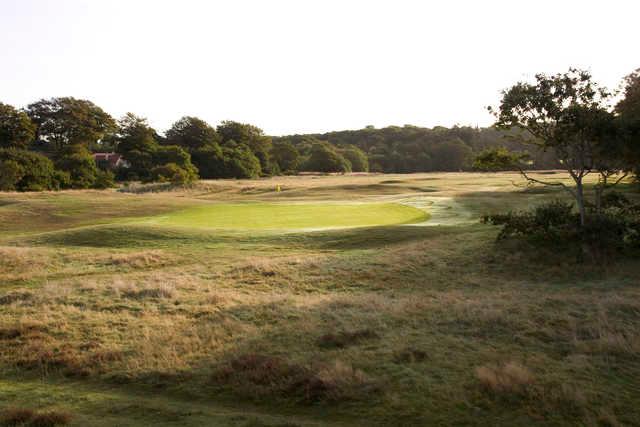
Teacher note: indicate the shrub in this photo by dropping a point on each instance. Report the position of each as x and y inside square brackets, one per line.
[174, 174]
[78, 162]
[11, 172]
[104, 179]
[26, 171]
[605, 233]
[548, 222]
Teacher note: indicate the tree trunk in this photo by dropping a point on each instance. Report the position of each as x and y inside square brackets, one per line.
[580, 201]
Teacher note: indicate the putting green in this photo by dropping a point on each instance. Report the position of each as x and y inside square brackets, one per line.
[273, 216]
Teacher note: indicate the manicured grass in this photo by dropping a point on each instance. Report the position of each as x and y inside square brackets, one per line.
[273, 216]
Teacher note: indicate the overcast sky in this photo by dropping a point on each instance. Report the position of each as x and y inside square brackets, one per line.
[305, 66]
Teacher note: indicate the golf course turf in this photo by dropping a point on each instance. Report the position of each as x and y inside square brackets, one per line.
[275, 216]
[232, 304]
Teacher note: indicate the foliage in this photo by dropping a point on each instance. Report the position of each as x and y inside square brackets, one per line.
[285, 156]
[104, 179]
[240, 162]
[16, 128]
[566, 113]
[135, 140]
[232, 133]
[628, 111]
[357, 158]
[172, 172]
[192, 133]
[324, 157]
[79, 163]
[409, 149]
[611, 231]
[26, 171]
[497, 159]
[69, 121]
[11, 172]
[209, 160]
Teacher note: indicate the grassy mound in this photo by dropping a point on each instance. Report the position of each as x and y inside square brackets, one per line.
[273, 216]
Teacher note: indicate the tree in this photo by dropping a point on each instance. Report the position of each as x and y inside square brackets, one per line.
[23, 170]
[629, 105]
[209, 160]
[553, 111]
[192, 133]
[135, 140]
[240, 162]
[79, 163]
[70, 121]
[357, 158]
[498, 159]
[628, 113]
[325, 158]
[249, 135]
[451, 155]
[16, 128]
[285, 155]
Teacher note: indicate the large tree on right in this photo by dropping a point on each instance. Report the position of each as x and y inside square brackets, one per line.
[568, 113]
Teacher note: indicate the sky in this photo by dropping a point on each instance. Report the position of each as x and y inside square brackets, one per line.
[305, 66]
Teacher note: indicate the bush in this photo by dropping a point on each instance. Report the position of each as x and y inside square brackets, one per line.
[551, 222]
[104, 179]
[612, 230]
[79, 163]
[173, 173]
[11, 172]
[22, 170]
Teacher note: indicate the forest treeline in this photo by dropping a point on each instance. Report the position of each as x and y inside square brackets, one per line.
[51, 143]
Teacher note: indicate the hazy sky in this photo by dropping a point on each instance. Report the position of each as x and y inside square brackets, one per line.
[305, 66]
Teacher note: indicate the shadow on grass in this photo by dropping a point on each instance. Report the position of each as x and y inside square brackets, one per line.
[142, 236]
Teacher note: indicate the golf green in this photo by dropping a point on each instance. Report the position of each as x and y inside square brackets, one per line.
[274, 216]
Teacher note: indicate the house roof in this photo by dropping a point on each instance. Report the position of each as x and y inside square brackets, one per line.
[112, 158]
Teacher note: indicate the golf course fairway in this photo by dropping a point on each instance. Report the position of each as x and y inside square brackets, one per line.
[274, 216]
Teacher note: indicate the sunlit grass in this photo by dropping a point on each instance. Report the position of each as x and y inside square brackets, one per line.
[292, 216]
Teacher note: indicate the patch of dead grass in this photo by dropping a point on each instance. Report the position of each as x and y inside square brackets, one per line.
[510, 379]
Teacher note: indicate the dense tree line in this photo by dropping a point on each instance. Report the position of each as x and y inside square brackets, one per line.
[49, 145]
[408, 149]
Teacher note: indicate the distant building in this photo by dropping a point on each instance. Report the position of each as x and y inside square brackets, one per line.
[110, 160]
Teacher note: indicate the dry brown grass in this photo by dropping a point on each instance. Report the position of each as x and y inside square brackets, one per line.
[163, 290]
[510, 379]
[142, 259]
